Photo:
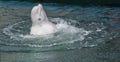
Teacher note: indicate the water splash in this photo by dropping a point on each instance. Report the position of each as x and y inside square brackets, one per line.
[68, 36]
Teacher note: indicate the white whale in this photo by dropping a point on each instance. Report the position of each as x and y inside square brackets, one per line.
[40, 23]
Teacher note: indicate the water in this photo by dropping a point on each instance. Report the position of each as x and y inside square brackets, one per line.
[85, 34]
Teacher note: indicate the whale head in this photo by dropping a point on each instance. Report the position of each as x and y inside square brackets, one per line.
[40, 23]
[38, 14]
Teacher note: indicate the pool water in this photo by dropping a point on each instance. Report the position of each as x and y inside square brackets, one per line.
[85, 34]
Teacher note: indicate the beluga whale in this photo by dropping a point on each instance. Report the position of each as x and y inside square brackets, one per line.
[40, 23]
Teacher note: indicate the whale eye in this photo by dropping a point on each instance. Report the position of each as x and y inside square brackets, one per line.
[39, 19]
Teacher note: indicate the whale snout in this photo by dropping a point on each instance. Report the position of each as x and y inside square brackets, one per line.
[39, 5]
[36, 10]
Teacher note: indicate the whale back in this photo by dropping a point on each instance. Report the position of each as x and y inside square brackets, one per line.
[38, 15]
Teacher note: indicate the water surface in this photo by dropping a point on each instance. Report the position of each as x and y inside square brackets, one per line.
[86, 34]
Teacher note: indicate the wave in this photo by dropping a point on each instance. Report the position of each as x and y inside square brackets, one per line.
[69, 35]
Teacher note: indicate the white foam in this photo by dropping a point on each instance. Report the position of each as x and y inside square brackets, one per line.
[67, 34]
[98, 30]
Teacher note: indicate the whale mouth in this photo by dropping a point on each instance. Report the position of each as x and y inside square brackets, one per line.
[40, 8]
[37, 9]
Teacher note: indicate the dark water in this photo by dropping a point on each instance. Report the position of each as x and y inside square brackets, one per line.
[86, 34]
[77, 2]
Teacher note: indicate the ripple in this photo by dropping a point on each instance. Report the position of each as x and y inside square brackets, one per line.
[71, 34]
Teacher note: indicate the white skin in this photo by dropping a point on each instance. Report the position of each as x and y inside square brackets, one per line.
[40, 23]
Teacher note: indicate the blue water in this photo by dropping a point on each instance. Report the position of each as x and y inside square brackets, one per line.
[86, 34]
